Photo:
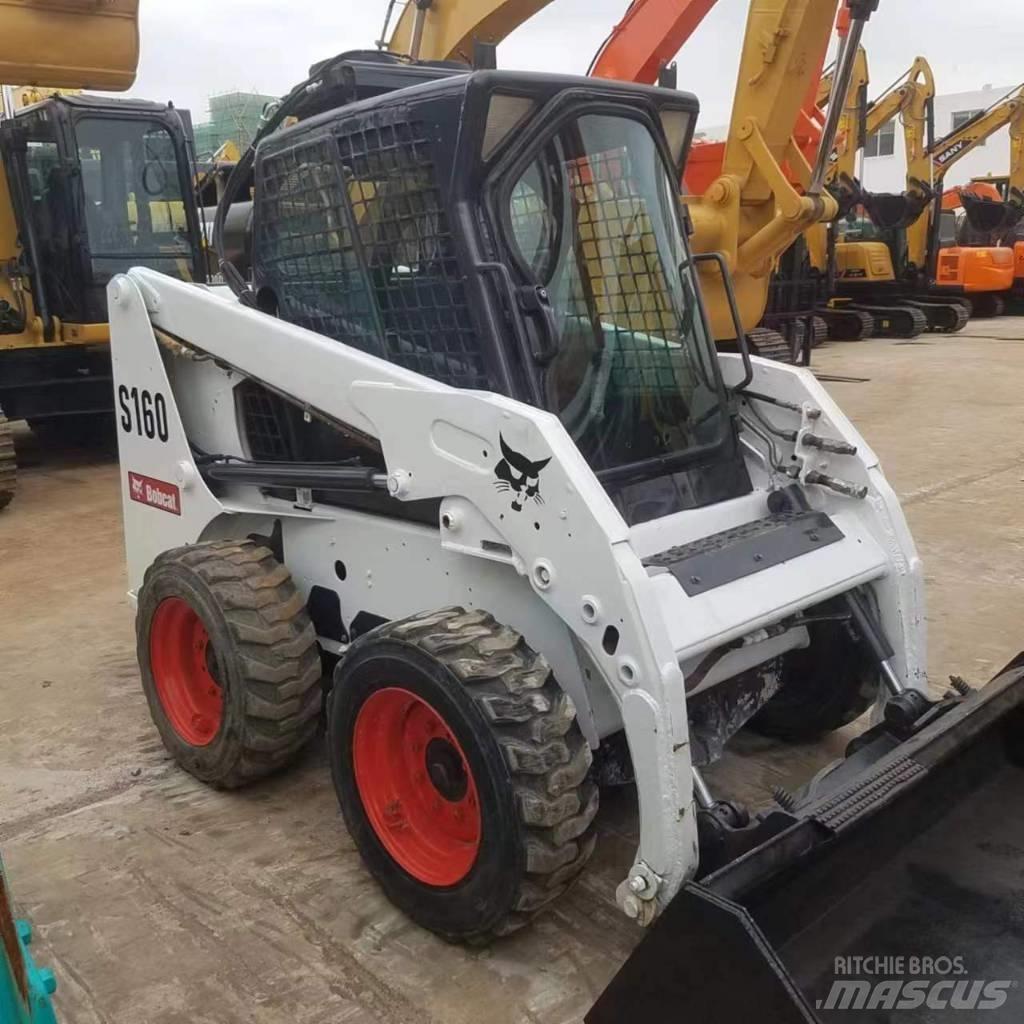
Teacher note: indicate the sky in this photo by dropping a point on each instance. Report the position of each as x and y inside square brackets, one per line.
[194, 48]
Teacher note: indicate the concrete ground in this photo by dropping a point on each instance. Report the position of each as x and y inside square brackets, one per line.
[157, 900]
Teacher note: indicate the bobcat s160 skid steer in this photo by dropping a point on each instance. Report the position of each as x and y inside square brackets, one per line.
[460, 432]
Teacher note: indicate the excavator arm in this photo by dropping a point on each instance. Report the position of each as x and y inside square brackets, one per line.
[852, 123]
[908, 98]
[752, 212]
[70, 44]
[447, 29]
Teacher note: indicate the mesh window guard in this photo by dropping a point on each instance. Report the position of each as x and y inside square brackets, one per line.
[356, 244]
[594, 222]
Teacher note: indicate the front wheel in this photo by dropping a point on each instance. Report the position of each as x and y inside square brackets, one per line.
[461, 772]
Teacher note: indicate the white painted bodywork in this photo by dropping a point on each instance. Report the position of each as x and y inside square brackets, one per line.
[560, 572]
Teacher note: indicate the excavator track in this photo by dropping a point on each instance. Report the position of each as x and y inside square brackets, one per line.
[847, 323]
[8, 463]
[820, 331]
[988, 304]
[769, 344]
[943, 317]
[899, 320]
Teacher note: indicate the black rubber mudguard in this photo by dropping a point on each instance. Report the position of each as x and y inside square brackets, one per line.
[907, 865]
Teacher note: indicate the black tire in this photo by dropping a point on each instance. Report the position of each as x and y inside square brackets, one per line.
[264, 658]
[524, 752]
[825, 686]
[8, 463]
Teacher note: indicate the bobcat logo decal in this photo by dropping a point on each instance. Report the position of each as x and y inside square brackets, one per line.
[518, 475]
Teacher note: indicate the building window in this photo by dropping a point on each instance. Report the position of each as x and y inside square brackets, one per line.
[961, 117]
[883, 142]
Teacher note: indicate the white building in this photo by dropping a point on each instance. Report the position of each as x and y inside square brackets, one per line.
[883, 165]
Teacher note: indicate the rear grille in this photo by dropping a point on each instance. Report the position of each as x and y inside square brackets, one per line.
[264, 423]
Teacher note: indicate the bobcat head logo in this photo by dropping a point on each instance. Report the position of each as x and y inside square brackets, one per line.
[517, 474]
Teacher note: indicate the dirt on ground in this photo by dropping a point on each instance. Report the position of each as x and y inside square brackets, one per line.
[156, 899]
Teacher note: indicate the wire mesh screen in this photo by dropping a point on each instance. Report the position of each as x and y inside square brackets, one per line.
[264, 416]
[305, 249]
[356, 244]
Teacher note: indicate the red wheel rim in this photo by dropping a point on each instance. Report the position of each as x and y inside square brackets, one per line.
[416, 787]
[179, 656]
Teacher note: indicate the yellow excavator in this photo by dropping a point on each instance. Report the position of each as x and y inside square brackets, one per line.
[90, 186]
[863, 251]
[918, 249]
[751, 213]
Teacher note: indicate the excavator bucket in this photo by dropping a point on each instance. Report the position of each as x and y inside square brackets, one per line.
[890, 211]
[70, 44]
[989, 216]
[896, 888]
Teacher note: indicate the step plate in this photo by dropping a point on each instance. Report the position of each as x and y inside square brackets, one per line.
[734, 554]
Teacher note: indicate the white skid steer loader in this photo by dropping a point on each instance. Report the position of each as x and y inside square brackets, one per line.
[459, 431]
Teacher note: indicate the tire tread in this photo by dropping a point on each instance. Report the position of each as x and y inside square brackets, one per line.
[277, 654]
[545, 753]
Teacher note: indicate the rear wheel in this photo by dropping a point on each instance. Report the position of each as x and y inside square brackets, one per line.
[461, 772]
[825, 686]
[8, 463]
[229, 660]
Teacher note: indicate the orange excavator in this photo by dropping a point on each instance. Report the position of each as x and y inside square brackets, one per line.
[993, 206]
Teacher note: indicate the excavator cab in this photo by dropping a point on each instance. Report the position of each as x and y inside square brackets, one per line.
[98, 185]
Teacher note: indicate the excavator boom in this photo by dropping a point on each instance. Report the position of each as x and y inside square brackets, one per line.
[447, 29]
[70, 44]
[648, 37]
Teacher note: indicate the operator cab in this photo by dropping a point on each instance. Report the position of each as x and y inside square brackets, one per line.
[98, 186]
[520, 234]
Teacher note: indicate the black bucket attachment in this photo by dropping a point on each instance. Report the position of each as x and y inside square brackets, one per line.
[989, 216]
[896, 892]
[890, 211]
